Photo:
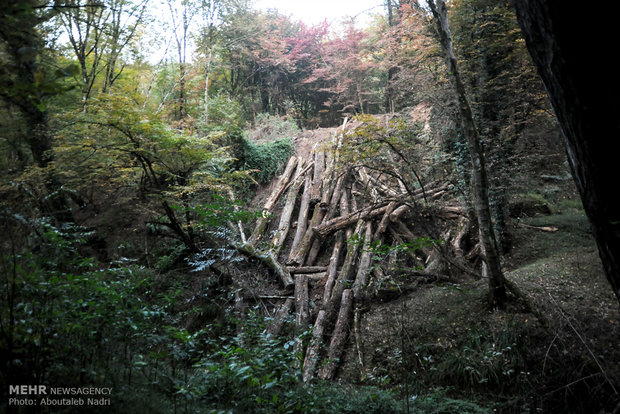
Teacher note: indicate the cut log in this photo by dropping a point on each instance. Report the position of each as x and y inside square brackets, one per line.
[332, 268]
[404, 231]
[339, 223]
[302, 220]
[314, 251]
[339, 336]
[316, 276]
[262, 222]
[363, 267]
[328, 178]
[358, 338]
[284, 178]
[461, 232]
[337, 195]
[367, 187]
[376, 183]
[385, 220]
[302, 302]
[397, 213]
[548, 229]
[306, 242]
[312, 354]
[285, 218]
[344, 276]
[269, 259]
[307, 269]
[345, 209]
[317, 180]
[280, 319]
[330, 198]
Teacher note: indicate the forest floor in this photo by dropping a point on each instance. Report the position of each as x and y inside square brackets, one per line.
[443, 335]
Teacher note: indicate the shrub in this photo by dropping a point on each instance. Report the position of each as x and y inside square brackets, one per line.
[266, 159]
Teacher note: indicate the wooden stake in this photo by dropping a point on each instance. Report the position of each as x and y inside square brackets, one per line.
[285, 218]
[312, 354]
[339, 336]
[278, 322]
[302, 220]
[361, 278]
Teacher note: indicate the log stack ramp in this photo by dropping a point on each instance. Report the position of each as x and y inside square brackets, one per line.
[319, 234]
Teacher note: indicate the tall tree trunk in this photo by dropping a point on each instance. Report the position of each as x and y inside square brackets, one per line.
[583, 86]
[497, 287]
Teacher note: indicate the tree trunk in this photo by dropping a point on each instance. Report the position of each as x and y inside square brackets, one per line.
[287, 213]
[339, 336]
[262, 222]
[340, 223]
[312, 354]
[497, 288]
[585, 99]
[280, 319]
[302, 220]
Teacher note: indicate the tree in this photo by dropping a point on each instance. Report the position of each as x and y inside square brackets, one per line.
[98, 32]
[26, 85]
[349, 73]
[584, 88]
[497, 288]
[504, 89]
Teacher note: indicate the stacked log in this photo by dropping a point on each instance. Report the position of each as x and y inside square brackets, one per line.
[341, 212]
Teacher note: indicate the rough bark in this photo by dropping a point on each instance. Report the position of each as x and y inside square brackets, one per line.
[306, 242]
[363, 267]
[585, 99]
[302, 301]
[339, 336]
[287, 212]
[340, 223]
[333, 266]
[344, 276]
[302, 220]
[262, 222]
[307, 269]
[280, 319]
[317, 179]
[312, 354]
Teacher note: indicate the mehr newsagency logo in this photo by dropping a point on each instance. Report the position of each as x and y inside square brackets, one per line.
[43, 395]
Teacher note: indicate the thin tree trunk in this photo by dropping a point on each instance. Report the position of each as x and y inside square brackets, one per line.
[497, 287]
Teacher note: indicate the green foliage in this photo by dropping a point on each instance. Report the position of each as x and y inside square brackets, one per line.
[392, 148]
[437, 402]
[254, 372]
[267, 159]
[484, 358]
[224, 116]
[63, 317]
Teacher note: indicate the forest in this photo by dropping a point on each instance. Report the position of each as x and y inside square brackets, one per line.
[210, 208]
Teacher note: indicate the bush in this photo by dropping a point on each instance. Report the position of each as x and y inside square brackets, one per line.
[266, 159]
[256, 373]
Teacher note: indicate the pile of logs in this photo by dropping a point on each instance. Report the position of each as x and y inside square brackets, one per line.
[320, 244]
